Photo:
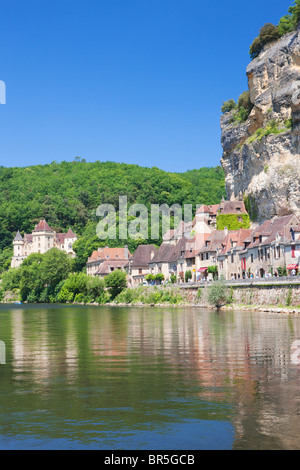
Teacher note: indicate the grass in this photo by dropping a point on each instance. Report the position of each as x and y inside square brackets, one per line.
[148, 296]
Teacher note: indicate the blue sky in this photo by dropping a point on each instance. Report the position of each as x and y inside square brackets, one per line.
[133, 81]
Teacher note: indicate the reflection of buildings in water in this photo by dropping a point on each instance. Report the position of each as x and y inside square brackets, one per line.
[36, 352]
[233, 357]
[30, 348]
[108, 342]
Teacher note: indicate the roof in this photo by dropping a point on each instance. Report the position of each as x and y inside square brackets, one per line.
[270, 229]
[18, 237]
[42, 226]
[236, 237]
[109, 253]
[212, 210]
[106, 266]
[214, 242]
[28, 237]
[232, 207]
[163, 254]
[70, 234]
[142, 256]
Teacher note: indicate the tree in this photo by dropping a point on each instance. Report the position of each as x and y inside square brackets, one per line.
[159, 277]
[255, 48]
[268, 33]
[218, 294]
[116, 281]
[188, 276]
[294, 10]
[228, 106]
[286, 25]
[213, 270]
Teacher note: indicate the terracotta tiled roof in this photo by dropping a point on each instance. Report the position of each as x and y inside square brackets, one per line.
[28, 238]
[70, 234]
[212, 210]
[109, 254]
[214, 242]
[270, 229]
[42, 226]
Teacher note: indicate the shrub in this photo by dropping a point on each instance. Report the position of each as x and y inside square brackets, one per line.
[228, 106]
[218, 294]
[173, 279]
[289, 297]
[159, 277]
[268, 33]
[116, 281]
[188, 276]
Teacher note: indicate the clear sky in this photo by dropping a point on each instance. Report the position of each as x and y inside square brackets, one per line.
[133, 81]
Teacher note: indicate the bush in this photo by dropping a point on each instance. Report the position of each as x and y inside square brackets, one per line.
[268, 33]
[173, 279]
[242, 109]
[213, 270]
[218, 294]
[116, 282]
[188, 276]
[228, 106]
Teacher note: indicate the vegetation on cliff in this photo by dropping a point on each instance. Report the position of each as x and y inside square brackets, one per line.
[270, 32]
[241, 109]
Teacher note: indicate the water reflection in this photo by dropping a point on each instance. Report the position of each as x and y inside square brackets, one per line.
[148, 378]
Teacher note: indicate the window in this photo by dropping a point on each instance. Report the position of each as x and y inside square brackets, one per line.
[252, 258]
[232, 258]
[140, 271]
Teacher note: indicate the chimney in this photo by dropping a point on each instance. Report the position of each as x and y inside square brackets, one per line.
[225, 231]
[126, 256]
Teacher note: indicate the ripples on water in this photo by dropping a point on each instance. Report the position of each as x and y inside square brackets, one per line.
[117, 378]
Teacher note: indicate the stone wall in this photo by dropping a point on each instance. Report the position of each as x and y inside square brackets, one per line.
[261, 295]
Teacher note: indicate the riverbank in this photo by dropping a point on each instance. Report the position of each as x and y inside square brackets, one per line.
[279, 297]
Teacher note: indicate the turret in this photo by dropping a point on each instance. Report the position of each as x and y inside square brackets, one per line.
[18, 244]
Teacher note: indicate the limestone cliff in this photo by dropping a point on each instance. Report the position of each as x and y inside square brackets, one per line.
[266, 168]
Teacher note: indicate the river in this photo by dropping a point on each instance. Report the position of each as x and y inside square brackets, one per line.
[108, 378]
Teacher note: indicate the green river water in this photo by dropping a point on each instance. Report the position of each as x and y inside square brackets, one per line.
[148, 378]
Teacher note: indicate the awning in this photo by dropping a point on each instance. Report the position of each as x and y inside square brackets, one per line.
[292, 266]
[202, 270]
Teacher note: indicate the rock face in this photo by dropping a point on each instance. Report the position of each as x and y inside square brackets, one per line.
[267, 170]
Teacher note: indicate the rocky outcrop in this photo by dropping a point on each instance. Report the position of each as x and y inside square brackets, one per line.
[266, 168]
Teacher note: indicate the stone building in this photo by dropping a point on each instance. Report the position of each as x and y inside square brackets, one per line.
[138, 264]
[105, 260]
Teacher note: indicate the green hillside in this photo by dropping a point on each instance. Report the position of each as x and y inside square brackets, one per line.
[66, 195]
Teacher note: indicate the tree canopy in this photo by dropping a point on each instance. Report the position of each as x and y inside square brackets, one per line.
[67, 194]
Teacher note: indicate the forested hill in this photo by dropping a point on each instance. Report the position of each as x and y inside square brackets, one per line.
[66, 194]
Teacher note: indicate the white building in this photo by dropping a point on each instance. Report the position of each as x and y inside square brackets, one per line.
[42, 239]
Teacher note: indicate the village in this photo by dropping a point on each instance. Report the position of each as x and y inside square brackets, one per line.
[193, 252]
